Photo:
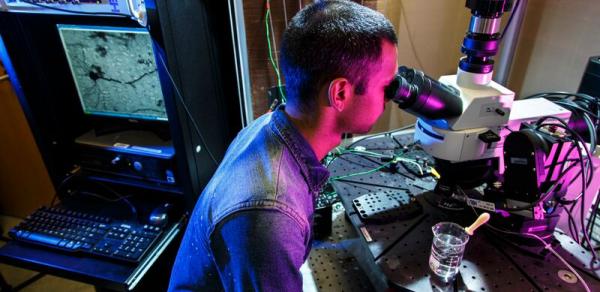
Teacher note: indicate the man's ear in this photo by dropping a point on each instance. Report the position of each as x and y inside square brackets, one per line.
[339, 92]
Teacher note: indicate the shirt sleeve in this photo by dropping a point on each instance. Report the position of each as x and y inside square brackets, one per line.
[259, 250]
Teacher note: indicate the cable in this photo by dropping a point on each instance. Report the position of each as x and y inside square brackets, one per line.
[103, 197]
[393, 160]
[78, 12]
[510, 19]
[546, 246]
[549, 247]
[582, 106]
[593, 215]
[285, 16]
[565, 126]
[120, 197]
[125, 199]
[584, 186]
[74, 172]
[364, 153]
[187, 111]
[362, 172]
[348, 150]
[584, 227]
[275, 67]
[582, 215]
[585, 183]
[383, 133]
[272, 31]
[562, 94]
[572, 223]
[544, 196]
[383, 156]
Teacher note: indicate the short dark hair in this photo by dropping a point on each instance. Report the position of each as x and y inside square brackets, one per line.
[330, 39]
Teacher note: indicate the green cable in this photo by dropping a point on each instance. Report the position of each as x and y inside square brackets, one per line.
[267, 16]
[328, 193]
[363, 172]
[396, 159]
[366, 153]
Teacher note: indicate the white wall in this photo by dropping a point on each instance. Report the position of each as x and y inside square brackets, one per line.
[556, 41]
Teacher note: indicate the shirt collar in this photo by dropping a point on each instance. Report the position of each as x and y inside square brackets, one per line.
[315, 173]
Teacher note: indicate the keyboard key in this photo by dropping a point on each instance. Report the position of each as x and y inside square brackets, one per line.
[51, 240]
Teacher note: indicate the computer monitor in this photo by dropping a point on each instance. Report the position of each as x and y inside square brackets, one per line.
[114, 71]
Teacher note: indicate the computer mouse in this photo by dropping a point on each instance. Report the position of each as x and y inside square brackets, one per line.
[160, 215]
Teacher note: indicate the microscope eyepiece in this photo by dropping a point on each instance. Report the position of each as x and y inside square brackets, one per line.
[423, 96]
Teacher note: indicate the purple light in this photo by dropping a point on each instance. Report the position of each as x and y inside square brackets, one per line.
[503, 213]
[434, 104]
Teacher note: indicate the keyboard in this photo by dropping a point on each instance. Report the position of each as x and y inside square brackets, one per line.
[79, 232]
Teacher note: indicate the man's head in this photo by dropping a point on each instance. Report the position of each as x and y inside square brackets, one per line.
[341, 49]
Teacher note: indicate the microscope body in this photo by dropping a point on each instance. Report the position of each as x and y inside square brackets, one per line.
[513, 158]
[476, 133]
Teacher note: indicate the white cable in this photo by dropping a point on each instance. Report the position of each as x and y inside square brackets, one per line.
[285, 14]
[548, 247]
[411, 162]
[379, 155]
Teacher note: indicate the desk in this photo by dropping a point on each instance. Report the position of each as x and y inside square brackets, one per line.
[396, 254]
[105, 274]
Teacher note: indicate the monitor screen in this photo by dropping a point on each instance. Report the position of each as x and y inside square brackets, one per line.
[114, 71]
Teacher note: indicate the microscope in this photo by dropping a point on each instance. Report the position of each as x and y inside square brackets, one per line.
[513, 158]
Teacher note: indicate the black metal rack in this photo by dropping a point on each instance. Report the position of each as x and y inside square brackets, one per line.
[197, 41]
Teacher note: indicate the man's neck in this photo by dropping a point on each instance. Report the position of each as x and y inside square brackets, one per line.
[318, 132]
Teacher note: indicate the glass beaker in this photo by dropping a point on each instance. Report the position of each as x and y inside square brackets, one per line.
[447, 249]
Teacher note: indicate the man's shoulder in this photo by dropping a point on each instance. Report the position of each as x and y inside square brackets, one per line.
[258, 173]
[261, 123]
[265, 222]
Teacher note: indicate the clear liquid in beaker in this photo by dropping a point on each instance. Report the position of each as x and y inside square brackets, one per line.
[446, 254]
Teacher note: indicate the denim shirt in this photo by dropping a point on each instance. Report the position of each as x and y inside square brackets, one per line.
[251, 227]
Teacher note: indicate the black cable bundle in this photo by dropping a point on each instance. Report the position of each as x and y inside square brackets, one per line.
[583, 127]
[585, 111]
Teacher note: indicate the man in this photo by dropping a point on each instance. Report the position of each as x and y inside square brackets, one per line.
[251, 228]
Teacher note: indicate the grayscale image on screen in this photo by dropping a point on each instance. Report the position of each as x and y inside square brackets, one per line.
[114, 71]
